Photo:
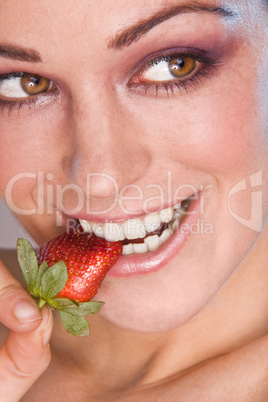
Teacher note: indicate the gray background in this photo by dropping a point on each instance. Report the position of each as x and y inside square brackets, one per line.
[10, 230]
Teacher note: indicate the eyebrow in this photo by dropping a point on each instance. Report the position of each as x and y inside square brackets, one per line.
[19, 53]
[135, 32]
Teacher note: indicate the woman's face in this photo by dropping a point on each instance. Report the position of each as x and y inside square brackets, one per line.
[143, 104]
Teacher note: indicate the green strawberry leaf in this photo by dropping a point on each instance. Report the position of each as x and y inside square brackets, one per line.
[74, 302]
[90, 308]
[74, 308]
[28, 263]
[74, 324]
[41, 270]
[60, 303]
[53, 280]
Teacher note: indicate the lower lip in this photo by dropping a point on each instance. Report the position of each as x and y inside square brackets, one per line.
[140, 264]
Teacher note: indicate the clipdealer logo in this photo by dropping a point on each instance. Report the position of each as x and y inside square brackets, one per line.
[255, 222]
[50, 194]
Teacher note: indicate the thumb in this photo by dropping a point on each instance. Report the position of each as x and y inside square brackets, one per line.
[23, 358]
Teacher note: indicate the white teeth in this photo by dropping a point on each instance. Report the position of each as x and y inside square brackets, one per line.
[127, 249]
[152, 242]
[85, 225]
[152, 222]
[177, 214]
[174, 225]
[140, 248]
[138, 228]
[166, 215]
[165, 235]
[97, 229]
[113, 232]
[134, 229]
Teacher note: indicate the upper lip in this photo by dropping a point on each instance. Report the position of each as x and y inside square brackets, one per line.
[99, 217]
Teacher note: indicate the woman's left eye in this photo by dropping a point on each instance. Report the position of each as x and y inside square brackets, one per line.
[177, 70]
[22, 85]
[169, 68]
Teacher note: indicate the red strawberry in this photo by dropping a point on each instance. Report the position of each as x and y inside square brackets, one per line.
[87, 257]
[66, 273]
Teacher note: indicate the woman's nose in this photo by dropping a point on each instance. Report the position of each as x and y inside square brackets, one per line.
[109, 149]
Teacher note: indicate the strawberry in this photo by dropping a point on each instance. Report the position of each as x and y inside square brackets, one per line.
[66, 274]
[87, 258]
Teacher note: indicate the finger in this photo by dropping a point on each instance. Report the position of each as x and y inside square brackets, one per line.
[18, 310]
[23, 358]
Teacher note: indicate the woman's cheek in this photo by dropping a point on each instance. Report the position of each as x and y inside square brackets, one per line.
[220, 134]
[31, 147]
[29, 143]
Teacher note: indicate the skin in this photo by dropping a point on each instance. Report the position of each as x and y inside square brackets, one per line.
[202, 317]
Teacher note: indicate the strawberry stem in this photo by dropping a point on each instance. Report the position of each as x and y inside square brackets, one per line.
[41, 303]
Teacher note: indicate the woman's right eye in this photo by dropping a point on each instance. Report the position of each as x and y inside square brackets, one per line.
[23, 85]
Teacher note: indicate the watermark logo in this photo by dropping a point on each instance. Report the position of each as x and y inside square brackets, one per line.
[255, 222]
[51, 197]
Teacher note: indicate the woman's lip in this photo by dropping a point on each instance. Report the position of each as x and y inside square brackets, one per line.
[140, 264]
[117, 218]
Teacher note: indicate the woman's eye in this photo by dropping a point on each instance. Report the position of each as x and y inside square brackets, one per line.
[169, 68]
[183, 69]
[24, 85]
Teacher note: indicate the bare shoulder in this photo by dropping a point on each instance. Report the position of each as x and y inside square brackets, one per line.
[238, 376]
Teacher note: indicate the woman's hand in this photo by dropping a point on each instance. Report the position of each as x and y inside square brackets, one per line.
[26, 353]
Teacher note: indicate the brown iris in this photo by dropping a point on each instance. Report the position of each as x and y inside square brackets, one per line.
[182, 66]
[34, 84]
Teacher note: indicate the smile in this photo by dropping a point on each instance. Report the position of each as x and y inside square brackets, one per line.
[144, 234]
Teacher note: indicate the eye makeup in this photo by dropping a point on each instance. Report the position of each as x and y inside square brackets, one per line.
[180, 69]
[174, 61]
[21, 89]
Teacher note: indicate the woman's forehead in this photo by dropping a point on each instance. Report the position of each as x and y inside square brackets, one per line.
[79, 28]
[73, 17]
[49, 9]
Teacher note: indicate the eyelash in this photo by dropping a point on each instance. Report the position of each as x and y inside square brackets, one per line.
[208, 64]
[205, 70]
[17, 104]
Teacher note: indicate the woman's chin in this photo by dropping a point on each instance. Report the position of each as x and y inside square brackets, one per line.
[150, 304]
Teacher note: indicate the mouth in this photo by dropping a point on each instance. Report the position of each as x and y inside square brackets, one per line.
[144, 234]
[149, 241]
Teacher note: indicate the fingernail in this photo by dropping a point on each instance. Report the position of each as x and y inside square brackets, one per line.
[26, 312]
[45, 327]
